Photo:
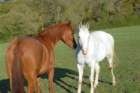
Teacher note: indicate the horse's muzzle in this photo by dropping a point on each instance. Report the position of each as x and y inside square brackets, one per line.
[85, 51]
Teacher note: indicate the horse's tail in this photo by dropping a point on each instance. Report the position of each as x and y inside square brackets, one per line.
[114, 53]
[17, 84]
[115, 59]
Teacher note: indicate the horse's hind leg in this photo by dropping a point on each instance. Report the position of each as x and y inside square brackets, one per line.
[31, 84]
[9, 62]
[9, 69]
[80, 70]
[97, 70]
[38, 85]
[110, 60]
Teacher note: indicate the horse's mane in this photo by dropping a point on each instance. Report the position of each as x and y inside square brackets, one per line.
[53, 27]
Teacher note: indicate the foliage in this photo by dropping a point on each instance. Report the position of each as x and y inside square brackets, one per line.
[29, 16]
[19, 20]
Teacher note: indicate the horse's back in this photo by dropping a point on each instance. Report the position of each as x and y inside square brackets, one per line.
[101, 35]
[102, 44]
[103, 38]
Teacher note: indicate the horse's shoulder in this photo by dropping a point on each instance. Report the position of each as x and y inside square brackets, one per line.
[100, 34]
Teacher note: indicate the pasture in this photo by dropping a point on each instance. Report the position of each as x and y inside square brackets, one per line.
[127, 66]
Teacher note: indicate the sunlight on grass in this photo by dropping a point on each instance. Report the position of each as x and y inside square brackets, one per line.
[127, 41]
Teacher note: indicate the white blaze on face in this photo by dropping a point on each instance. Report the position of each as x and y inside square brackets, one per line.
[84, 38]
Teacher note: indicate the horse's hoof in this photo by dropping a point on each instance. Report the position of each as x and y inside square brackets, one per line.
[95, 85]
[114, 83]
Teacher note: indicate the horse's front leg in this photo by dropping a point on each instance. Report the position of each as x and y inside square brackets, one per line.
[50, 72]
[92, 79]
[80, 70]
[37, 85]
[50, 79]
[97, 70]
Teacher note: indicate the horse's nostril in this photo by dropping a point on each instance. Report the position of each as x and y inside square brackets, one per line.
[84, 51]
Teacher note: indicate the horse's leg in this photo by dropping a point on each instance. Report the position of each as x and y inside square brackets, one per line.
[31, 84]
[92, 79]
[38, 85]
[9, 70]
[110, 60]
[50, 77]
[9, 64]
[97, 70]
[80, 70]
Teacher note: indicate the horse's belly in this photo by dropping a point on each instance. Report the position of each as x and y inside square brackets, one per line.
[45, 62]
[43, 70]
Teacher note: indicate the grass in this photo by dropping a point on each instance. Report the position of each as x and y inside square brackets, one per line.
[127, 66]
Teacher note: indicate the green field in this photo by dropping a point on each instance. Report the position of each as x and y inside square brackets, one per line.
[127, 67]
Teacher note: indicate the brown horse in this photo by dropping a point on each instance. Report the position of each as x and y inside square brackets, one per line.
[29, 57]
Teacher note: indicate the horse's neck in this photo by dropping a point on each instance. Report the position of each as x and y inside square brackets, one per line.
[48, 40]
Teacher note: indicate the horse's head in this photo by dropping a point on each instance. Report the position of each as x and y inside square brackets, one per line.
[83, 36]
[68, 35]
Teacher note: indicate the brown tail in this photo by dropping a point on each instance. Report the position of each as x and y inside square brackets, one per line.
[17, 76]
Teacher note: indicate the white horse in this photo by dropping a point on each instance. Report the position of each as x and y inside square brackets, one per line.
[93, 48]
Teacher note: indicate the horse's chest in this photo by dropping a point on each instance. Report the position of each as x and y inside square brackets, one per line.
[90, 58]
[84, 59]
[43, 69]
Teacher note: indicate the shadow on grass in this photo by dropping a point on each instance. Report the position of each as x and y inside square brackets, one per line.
[4, 86]
[60, 73]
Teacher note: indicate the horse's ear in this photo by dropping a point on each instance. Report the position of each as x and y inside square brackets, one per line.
[68, 22]
[80, 25]
[87, 25]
